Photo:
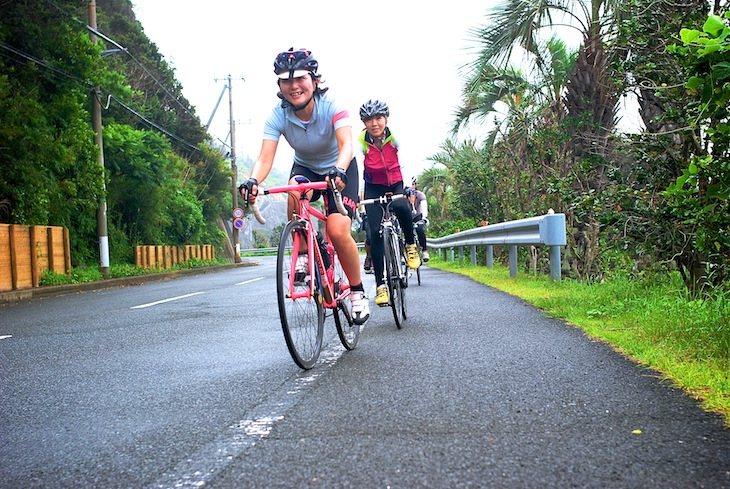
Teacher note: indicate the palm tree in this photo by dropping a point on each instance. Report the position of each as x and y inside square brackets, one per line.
[579, 95]
[590, 97]
[528, 106]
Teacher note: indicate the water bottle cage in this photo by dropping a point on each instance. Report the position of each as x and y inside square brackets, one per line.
[324, 252]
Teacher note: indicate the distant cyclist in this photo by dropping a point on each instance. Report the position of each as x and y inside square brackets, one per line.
[419, 209]
[382, 174]
[320, 131]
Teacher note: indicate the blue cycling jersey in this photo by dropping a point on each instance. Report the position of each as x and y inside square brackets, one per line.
[314, 141]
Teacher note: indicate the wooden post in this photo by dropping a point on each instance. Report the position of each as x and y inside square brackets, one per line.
[34, 272]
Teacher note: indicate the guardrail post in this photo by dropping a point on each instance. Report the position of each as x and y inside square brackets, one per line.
[473, 254]
[451, 254]
[513, 261]
[461, 254]
[490, 256]
[555, 267]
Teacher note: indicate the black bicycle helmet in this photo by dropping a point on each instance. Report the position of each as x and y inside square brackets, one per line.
[294, 63]
[371, 108]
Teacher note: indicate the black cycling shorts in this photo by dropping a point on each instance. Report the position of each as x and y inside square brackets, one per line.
[349, 193]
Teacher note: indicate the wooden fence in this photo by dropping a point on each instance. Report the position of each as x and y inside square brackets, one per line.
[26, 252]
[168, 256]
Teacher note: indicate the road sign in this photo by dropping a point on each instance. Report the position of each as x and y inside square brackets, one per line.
[237, 212]
[238, 223]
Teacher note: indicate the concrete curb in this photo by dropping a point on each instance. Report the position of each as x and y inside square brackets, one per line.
[55, 290]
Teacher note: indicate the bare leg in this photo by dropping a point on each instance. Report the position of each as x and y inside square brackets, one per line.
[338, 229]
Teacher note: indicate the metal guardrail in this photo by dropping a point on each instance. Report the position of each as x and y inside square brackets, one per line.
[547, 230]
[256, 251]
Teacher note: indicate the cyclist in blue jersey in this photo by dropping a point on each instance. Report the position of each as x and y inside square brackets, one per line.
[382, 174]
[320, 132]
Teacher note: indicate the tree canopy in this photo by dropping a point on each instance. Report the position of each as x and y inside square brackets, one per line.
[658, 198]
[163, 182]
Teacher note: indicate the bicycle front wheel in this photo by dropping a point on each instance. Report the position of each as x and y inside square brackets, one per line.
[393, 275]
[347, 330]
[300, 301]
[405, 273]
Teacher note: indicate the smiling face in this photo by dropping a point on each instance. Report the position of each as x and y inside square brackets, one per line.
[298, 90]
[376, 125]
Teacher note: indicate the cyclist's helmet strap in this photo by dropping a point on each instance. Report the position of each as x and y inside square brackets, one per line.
[371, 108]
[294, 63]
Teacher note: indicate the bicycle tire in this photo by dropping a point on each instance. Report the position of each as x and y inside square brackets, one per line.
[302, 319]
[347, 330]
[405, 273]
[393, 276]
[420, 256]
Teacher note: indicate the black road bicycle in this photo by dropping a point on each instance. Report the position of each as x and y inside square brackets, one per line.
[396, 263]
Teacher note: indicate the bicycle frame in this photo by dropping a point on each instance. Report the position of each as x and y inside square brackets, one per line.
[316, 266]
[388, 220]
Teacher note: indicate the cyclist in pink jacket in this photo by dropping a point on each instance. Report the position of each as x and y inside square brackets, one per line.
[382, 174]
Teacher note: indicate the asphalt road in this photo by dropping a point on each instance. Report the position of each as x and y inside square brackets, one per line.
[187, 383]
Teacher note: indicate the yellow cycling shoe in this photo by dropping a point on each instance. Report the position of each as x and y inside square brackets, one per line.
[381, 296]
[412, 254]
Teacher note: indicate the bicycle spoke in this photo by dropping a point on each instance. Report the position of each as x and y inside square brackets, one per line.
[301, 311]
[393, 275]
[347, 330]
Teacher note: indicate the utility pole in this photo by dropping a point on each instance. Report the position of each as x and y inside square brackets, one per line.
[101, 224]
[234, 167]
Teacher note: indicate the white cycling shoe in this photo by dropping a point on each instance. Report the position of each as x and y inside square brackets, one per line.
[360, 307]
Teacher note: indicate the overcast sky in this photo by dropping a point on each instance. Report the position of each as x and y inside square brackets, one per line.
[404, 52]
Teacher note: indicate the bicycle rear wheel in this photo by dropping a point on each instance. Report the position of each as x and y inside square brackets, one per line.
[300, 310]
[347, 330]
[393, 276]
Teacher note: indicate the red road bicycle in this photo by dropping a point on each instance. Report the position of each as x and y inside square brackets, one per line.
[308, 294]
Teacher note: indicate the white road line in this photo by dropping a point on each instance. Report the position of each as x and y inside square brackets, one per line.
[5, 337]
[141, 306]
[249, 281]
[228, 448]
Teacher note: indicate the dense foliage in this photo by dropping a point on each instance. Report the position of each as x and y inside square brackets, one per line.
[163, 183]
[552, 139]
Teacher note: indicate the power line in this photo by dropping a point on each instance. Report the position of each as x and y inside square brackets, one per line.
[126, 51]
[88, 84]
[156, 126]
[43, 63]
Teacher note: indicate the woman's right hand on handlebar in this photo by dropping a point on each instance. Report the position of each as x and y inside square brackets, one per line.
[249, 190]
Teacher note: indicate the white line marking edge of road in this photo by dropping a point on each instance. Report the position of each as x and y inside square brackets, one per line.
[141, 306]
[249, 281]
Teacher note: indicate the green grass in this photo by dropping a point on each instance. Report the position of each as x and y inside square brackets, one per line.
[651, 321]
